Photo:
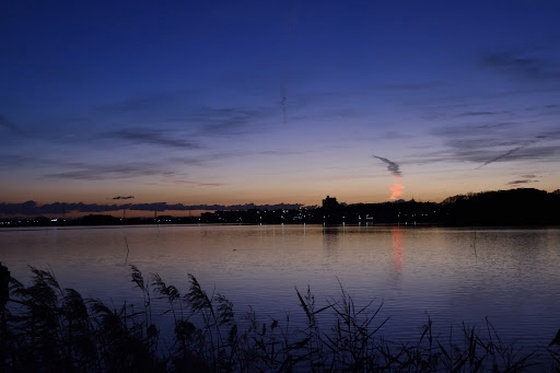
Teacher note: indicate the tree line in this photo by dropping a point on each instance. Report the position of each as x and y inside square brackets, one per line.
[515, 207]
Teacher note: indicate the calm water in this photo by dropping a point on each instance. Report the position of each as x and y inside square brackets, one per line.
[511, 276]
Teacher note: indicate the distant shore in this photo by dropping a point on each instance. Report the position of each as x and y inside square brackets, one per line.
[516, 207]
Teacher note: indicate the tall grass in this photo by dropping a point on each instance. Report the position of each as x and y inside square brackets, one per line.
[47, 328]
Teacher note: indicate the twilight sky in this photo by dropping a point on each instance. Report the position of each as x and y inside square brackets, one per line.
[225, 102]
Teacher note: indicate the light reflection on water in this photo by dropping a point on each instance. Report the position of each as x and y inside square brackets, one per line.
[452, 275]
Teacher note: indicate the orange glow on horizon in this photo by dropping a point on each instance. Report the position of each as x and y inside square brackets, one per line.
[396, 190]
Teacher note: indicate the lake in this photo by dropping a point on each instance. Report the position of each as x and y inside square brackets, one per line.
[510, 276]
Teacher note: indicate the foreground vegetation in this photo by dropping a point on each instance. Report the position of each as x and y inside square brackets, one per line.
[44, 327]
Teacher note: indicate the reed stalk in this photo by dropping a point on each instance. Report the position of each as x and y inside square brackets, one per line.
[46, 327]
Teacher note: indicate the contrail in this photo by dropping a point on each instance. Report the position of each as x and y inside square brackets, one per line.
[392, 167]
[504, 155]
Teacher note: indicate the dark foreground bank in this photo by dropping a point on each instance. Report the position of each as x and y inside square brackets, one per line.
[44, 327]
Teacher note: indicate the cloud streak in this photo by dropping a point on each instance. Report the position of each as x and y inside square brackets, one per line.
[82, 171]
[160, 102]
[392, 167]
[520, 182]
[500, 136]
[151, 137]
[4, 122]
[10, 126]
[504, 155]
[524, 179]
[228, 121]
[32, 208]
[525, 65]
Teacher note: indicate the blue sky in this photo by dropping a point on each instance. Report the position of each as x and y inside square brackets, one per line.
[277, 101]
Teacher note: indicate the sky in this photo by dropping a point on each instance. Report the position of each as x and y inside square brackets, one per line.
[232, 102]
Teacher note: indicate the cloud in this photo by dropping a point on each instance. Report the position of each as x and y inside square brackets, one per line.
[159, 102]
[528, 149]
[123, 197]
[521, 181]
[170, 169]
[204, 159]
[228, 121]
[4, 122]
[32, 208]
[482, 113]
[196, 183]
[512, 62]
[527, 135]
[10, 126]
[179, 120]
[13, 161]
[428, 85]
[282, 152]
[504, 155]
[83, 171]
[152, 137]
[533, 63]
[394, 135]
[392, 167]
[525, 179]
[483, 133]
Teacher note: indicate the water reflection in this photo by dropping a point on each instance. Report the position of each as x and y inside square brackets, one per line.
[398, 249]
[331, 239]
[455, 275]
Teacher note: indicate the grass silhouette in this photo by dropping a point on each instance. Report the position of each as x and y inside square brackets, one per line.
[47, 328]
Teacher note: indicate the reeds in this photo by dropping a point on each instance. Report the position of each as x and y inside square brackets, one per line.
[48, 328]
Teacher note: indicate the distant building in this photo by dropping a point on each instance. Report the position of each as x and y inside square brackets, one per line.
[330, 202]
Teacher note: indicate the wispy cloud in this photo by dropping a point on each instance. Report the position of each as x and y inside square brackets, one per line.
[392, 167]
[524, 179]
[504, 155]
[32, 208]
[179, 119]
[228, 121]
[183, 181]
[12, 161]
[530, 62]
[521, 182]
[282, 152]
[415, 86]
[84, 171]
[159, 102]
[4, 122]
[151, 137]
[123, 197]
[483, 113]
[10, 126]
[514, 63]
[498, 140]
